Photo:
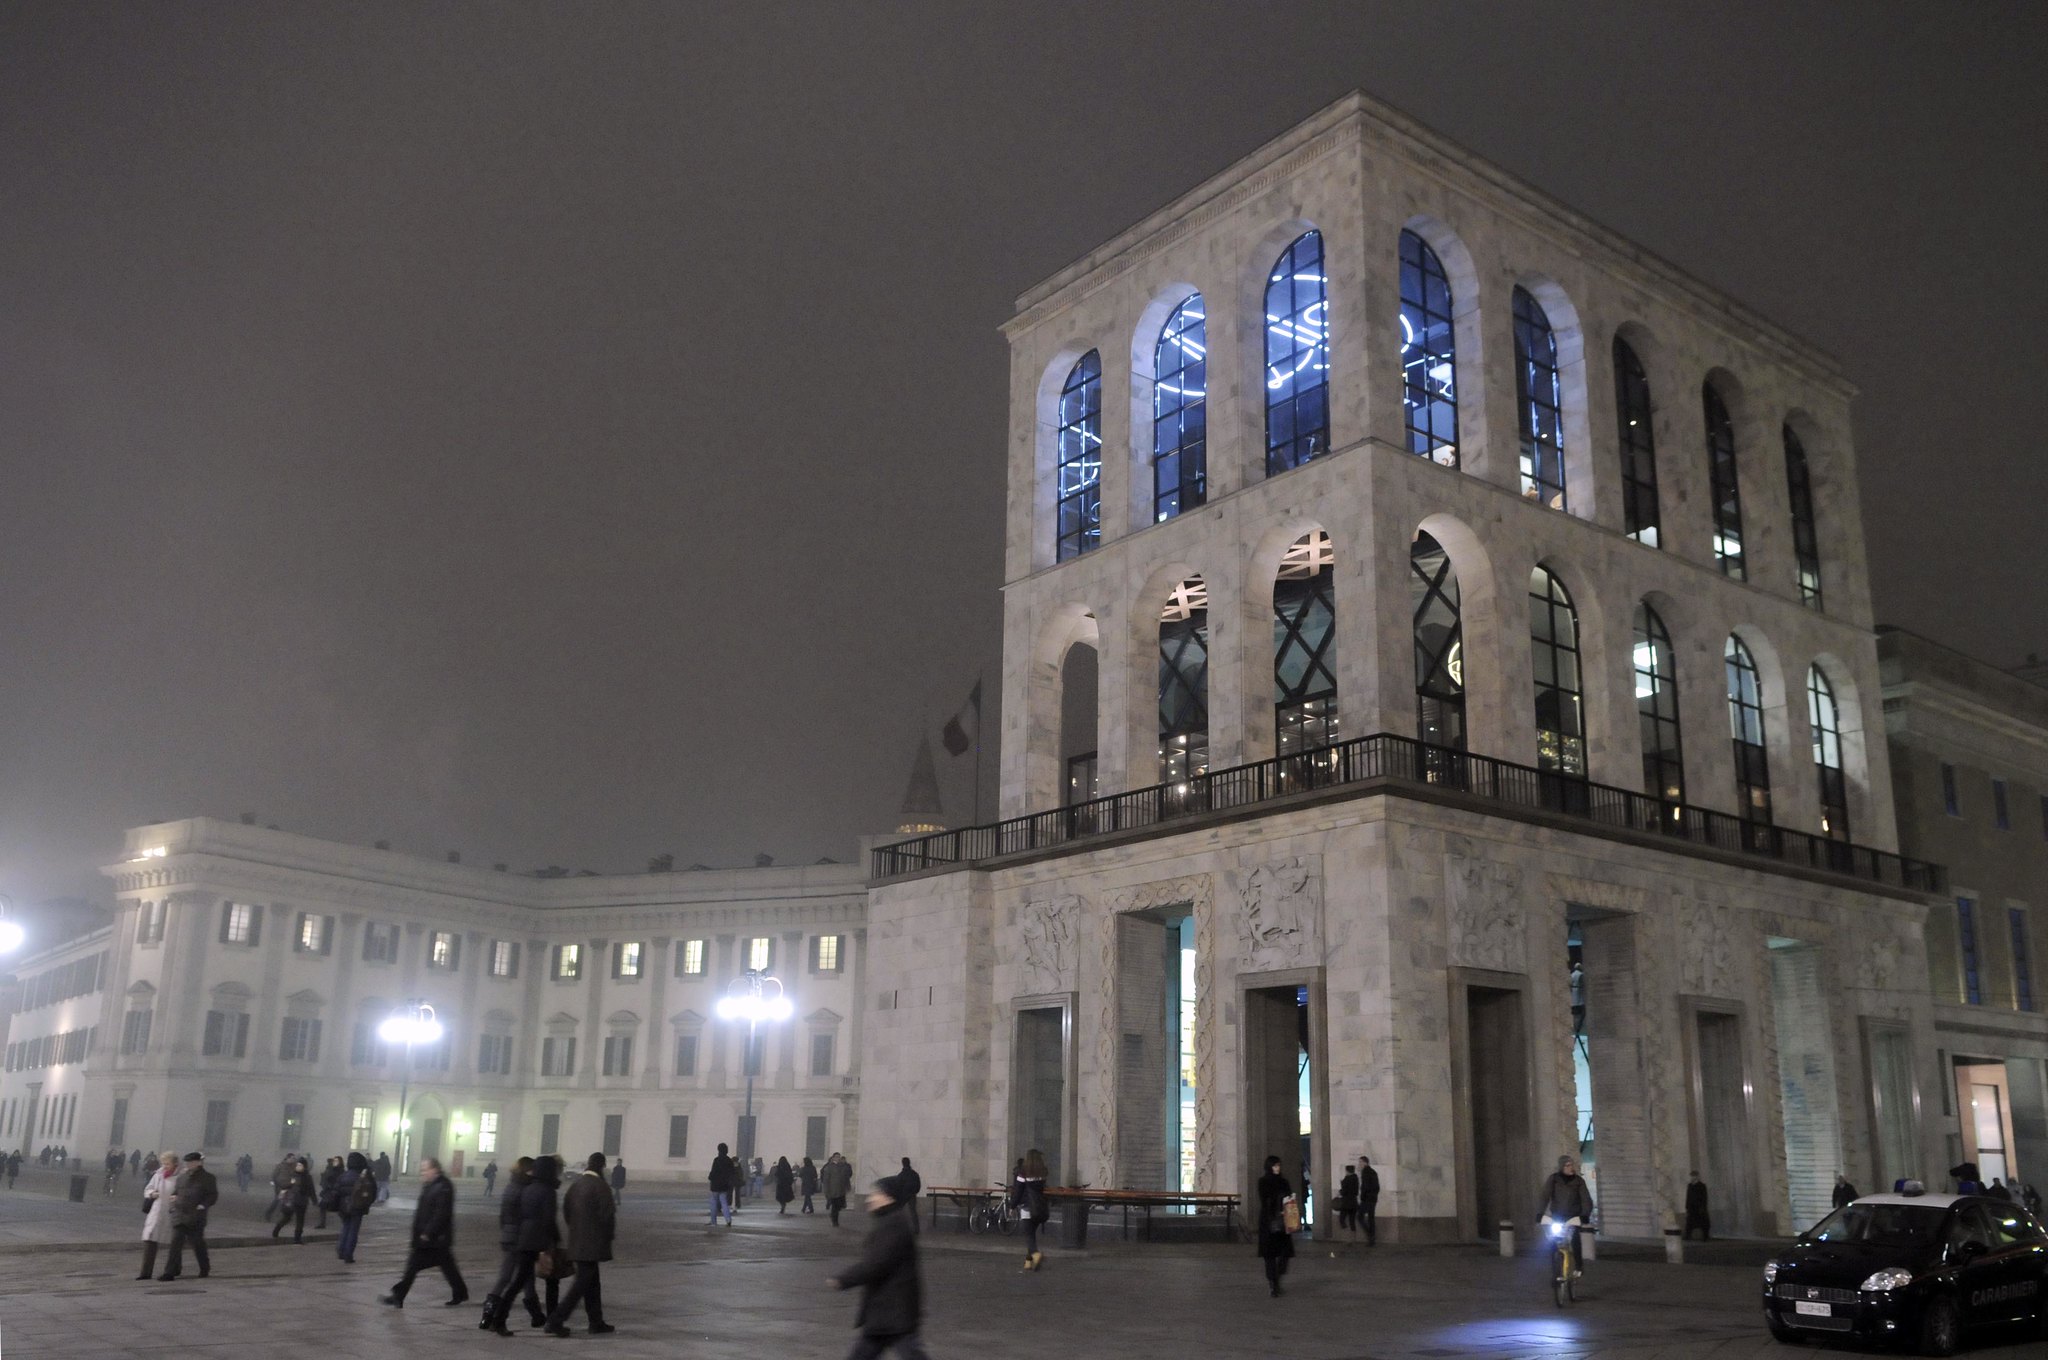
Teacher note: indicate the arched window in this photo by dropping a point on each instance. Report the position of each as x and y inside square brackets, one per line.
[1429, 363]
[1638, 446]
[1540, 406]
[1184, 683]
[1297, 356]
[1657, 708]
[1439, 645]
[1805, 538]
[1180, 467]
[1080, 453]
[1826, 720]
[1554, 652]
[1305, 647]
[1727, 494]
[1746, 728]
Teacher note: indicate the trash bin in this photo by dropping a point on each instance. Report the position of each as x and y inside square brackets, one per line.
[1074, 1223]
[78, 1189]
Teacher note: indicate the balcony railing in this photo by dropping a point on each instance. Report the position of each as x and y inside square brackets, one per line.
[1390, 759]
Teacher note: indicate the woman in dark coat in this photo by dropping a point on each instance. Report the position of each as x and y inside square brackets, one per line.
[1028, 1197]
[1276, 1244]
[785, 1184]
[807, 1181]
[330, 1180]
[294, 1197]
[526, 1228]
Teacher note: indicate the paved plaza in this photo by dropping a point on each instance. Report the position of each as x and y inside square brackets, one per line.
[683, 1288]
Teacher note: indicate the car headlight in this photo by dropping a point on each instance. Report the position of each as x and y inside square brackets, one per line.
[1891, 1277]
[1771, 1272]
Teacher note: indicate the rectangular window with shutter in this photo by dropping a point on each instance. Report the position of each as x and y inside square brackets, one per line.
[504, 959]
[294, 1127]
[487, 1131]
[568, 962]
[825, 954]
[614, 1133]
[618, 1055]
[678, 1135]
[760, 953]
[817, 1128]
[686, 1055]
[316, 933]
[550, 1133]
[238, 923]
[689, 958]
[821, 1055]
[135, 1032]
[626, 959]
[359, 1127]
[380, 943]
[444, 950]
[117, 1136]
[300, 1040]
[216, 1136]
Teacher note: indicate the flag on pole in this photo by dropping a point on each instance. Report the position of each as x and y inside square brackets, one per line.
[954, 736]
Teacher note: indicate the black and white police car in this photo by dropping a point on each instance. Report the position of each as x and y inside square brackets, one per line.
[1915, 1268]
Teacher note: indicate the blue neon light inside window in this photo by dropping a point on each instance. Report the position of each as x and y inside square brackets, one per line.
[1966, 932]
[1297, 356]
[1179, 411]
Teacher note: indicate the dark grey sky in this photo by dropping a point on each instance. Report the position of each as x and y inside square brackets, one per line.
[570, 433]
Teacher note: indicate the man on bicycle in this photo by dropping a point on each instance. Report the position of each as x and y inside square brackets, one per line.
[1565, 1197]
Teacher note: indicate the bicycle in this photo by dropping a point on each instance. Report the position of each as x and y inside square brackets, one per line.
[1564, 1258]
[113, 1179]
[994, 1214]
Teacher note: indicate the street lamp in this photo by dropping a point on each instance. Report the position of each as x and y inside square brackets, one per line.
[413, 1023]
[12, 936]
[753, 1004]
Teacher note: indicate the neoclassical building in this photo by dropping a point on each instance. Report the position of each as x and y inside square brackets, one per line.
[1440, 722]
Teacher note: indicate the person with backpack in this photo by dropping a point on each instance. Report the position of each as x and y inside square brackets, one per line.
[491, 1177]
[837, 1182]
[892, 1295]
[1028, 1196]
[725, 1178]
[785, 1184]
[355, 1193]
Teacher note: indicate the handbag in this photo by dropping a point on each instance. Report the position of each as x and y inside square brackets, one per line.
[1290, 1214]
[544, 1265]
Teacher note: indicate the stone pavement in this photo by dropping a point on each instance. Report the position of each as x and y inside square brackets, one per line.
[756, 1291]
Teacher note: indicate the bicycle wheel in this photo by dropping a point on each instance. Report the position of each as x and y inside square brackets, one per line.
[1006, 1222]
[1560, 1277]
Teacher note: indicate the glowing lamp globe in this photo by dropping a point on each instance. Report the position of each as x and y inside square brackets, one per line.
[12, 936]
[410, 1029]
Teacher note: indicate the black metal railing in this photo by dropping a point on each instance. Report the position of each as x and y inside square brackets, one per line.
[1404, 760]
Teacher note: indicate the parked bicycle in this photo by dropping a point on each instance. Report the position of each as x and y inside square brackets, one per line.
[993, 1214]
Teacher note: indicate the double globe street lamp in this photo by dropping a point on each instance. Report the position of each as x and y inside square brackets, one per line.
[411, 1024]
[748, 997]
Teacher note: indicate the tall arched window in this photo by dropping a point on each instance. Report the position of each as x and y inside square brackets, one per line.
[1184, 683]
[1080, 454]
[1554, 652]
[1657, 708]
[1826, 720]
[1305, 646]
[1805, 537]
[1439, 645]
[1539, 404]
[1297, 356]
[1746, 728]
[1638, 446]
[1180, 467]
[1726, 492]
[1429, 363]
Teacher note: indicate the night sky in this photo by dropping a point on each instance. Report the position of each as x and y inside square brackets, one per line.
[573, 433]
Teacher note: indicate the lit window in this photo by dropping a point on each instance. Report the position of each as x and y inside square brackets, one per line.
[238, 923]
[1825, 718]
[825, 949]
[1297, 356]
[1639, 516]
[359, 1127]
[1080, 459]
[487, 1131]
[568, 962]
[1305, 647]
[1539, 403]
[1184, 683]
[504, 959]
[1429, 365]
[443, 950]
[690, 958]
[1746, 729]
[1439, 647]
[1805, 536]
[1657, 709]
[1554, 654]
[760, 950]
[1726, 489]
[314, 933]
[626, 959]
[149, 922]
[1179, 412]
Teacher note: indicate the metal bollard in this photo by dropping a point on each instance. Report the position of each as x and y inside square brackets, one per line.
[1586, 1251]
[1507, 1237]
[1674, 1247]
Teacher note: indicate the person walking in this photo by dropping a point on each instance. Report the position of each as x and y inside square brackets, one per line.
[526, 1228]
[245, 1171]
[590, 1217]
[837, 1183]
[329, 1198]
[892, 1295]
[1347, 1201]
[1276, 1241]
[491, 1177]
[1369, 1201]
[292, 1202]
[1845, 1193]
[433, 1237]
[280, 1178]
[355, 1193]
[785, 1185]
[194, 1192]
[13, 1167]
[807, 1181]
[1696, 1210]
[135, 1162]
[757, 1178]
[911, 1184]
[382, 1167]
[725, 1178]
[1028, 1195]
[618, 1183]
[156, 1215]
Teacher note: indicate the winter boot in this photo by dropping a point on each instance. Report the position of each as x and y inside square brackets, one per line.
[490, 1321]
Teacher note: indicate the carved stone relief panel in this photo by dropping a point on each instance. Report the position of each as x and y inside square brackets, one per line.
[1487, 928]
[1281, 922]
[1050, 932]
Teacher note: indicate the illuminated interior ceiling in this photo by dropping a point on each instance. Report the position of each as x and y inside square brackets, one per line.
[1310, 553]
[1184, 599]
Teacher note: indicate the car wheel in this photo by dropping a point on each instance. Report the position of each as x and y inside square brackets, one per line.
[1781, 1333]
[1941, 1328]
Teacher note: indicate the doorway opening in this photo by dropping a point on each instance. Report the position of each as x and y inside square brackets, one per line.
[1984, 1100]
[1041, 1086]
[1078, 689]
[1497, 1051]
[1612, 1092]
[1280, 1088]
[1723, 1127]
[1806, 1078]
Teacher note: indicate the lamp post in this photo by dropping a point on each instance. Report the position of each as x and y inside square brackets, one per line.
[12, 936]
[412, 1023]
[753, 1003]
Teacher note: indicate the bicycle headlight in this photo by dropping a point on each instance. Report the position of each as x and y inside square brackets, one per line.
[1770, 1272]
[1891, 1277]
[1556, 1228]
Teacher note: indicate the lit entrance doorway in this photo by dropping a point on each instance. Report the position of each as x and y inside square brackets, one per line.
[1285, 1108]
[1156, 985]
[1498, 1167]
[1611, 1090]
[1984, 1106]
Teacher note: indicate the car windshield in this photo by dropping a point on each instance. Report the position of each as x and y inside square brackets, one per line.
[1882, 1225]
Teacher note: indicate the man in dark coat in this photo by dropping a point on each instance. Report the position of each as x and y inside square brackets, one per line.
[837, 1181]
[1845, 1193]
[280, 1181]
[910, 1184]
[725, 1178]
[1696, 1210]
[1369, 1201]
[619, 1183]
[491, 1177]
[892, 1296]
[589, 1218]
[1347, 1201]
[193, 1194]
[433, 1237]
[382, 1166]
